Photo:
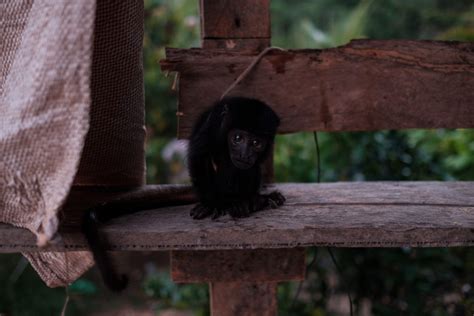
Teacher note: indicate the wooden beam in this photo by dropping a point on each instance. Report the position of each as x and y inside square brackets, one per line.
[242, 282]
[235, 25]
[364, 85]
[260, 265]
[361, 214]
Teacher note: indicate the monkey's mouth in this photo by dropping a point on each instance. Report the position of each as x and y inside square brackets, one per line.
[242, 164]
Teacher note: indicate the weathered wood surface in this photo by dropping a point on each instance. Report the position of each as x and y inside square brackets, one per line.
[235, 19]
[364, 85]
[361, 214]
[260, 265]
[235, 25]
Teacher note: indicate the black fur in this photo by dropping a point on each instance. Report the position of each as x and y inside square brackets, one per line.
[127, 203]
[222, 188]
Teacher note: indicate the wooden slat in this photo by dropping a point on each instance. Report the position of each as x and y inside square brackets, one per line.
[362, 214]
[365, 85]
[260, 265]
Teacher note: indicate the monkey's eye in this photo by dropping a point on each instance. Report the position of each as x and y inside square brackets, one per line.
[257, 144]
[237, 138]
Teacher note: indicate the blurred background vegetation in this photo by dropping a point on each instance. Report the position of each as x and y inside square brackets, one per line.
[402, 281]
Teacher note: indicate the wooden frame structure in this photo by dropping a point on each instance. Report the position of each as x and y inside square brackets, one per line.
[365, 85]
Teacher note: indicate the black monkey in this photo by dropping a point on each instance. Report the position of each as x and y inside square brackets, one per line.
[227, 147]
[228, 144]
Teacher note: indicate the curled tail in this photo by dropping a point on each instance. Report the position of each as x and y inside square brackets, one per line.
[150, 197]
[97, 244]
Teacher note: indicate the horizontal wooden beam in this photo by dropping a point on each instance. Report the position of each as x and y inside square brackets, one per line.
[261, 265]
[360, 214]
[364, 85]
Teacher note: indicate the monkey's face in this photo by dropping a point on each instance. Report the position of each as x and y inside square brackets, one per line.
[245, 148]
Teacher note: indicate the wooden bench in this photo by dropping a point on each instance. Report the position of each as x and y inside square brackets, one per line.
[365, 85]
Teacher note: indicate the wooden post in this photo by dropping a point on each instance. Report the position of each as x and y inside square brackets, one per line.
[242, 282]
[235, 25]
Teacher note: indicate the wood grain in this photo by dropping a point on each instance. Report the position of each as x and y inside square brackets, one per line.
[235, 19]
[259, 265]
[360, 214]
[364, 85]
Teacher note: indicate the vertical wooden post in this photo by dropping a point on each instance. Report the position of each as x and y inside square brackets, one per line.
[242, 282]
[235, 25]
[242, 299]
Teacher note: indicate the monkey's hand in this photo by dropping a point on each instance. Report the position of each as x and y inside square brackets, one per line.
[275, 199]
[272, 200]
[239, 209]
[201, 211]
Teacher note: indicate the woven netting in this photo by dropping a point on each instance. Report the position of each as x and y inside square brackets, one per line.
[71, 113]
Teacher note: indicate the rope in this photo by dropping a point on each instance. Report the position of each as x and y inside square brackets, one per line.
[249, 68]
[66, 302]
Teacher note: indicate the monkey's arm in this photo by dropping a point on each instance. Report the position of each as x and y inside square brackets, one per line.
[128, 203]
[203, 178]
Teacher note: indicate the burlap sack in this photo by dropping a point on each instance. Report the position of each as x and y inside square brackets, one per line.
[61, 73]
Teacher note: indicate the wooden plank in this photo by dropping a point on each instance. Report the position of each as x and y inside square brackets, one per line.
[235, 19]
[261, 265]
[364, 85]
[243, 299]
[360, 214]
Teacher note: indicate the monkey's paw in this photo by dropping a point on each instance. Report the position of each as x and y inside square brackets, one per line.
[275, 199]
[201, 211]
[239, 210]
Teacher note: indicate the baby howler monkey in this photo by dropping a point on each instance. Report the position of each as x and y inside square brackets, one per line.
[228, 145]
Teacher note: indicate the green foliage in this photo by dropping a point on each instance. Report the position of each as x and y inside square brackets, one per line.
[171, 295]
[23, 293]
[83, 287]
[173, 24]
[167, 24]
[384, 155]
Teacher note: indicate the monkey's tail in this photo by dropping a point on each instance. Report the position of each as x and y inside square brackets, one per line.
[96, 242]
[150, 197]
